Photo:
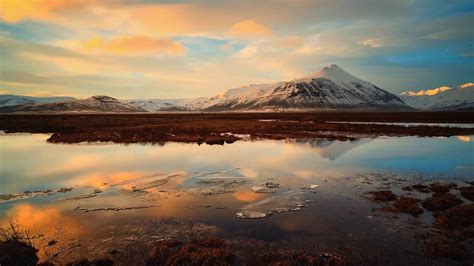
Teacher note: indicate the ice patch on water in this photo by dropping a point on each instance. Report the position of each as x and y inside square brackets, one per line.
[147, 182]
[214, 182]
[287, 201]
[31, 194]
[263, 190]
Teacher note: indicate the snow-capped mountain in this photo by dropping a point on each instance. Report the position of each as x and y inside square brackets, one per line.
[442, 98]
[92, 104]
[12, 100]
[192, 104]
[329, 88]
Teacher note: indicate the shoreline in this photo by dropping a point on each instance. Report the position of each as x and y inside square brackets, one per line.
[226, 128]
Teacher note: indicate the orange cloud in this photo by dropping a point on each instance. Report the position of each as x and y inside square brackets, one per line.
[290, 42]
[166, 20]
[135, 45]
[249, 28]
[13, 11]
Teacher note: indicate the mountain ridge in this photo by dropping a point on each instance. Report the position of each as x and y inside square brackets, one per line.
[329, 88]
[97, 103]
[442, 98]
[13, 100]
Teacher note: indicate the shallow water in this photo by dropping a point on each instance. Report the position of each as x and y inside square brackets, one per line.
[128, 193]
[405, 124]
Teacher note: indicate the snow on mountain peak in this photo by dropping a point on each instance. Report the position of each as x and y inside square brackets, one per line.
[339, 76]
[442, 98]
[426, 92]
[334, 67]
[469, 85]
[330, 71]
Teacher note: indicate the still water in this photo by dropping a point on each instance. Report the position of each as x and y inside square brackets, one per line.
[305, 191]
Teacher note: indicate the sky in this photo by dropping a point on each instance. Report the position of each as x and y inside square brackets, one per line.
[136, 49]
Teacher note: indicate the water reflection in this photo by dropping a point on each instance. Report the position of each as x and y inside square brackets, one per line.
[464, 138]
[29, 163]
[405, 124]
[136, 187]
[331, 149]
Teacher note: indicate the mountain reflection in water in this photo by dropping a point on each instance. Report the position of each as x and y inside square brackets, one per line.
[90, 198]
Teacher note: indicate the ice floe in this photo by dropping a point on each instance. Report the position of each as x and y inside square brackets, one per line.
[291, 200]
[30, 194]
[215, 183]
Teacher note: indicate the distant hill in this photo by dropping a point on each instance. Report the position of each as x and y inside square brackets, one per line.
[442, 98]
[13, 100]
[92, 104]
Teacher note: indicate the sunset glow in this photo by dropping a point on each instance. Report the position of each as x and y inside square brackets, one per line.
[156, 49]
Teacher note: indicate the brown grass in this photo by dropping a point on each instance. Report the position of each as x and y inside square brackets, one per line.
[211, 128]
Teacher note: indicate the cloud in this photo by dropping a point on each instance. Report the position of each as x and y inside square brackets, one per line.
[249, 28]
[44, 94]
[20, 76]
[65, 71]
[426, 92]
[273, 47]
[445, 28]
[226, 47]
[289, 42]
[13, 11]
[374, 43]
[247, 52]
[136, 45]
[49, 44]
[467, 53]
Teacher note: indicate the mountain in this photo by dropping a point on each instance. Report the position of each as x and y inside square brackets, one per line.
[92, 104]
[329, 88]
[155, 105]
[12, 100]
[442, 98]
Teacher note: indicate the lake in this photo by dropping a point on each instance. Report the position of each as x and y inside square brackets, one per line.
[105, 199]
